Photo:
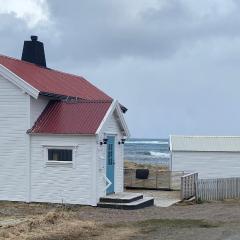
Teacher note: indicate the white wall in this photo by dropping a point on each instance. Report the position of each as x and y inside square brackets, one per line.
[36, 108]
[70, 184]
[81, 183]
[208, 164]
[110, 127]
[13, 148]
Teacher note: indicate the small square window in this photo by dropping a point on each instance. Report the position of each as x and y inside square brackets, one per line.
[60, 155]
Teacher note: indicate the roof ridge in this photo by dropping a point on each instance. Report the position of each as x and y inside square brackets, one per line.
[19, 60]
[46, 68]
[5, 56]
[54, 83]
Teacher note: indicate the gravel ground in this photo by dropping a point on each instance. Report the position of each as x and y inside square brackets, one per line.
[212, 221]
[218, 211]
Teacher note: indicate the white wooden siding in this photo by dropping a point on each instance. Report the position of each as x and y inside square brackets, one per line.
[36, 108]
[13, 138]
[111, 127]
[207, 164]
[63, 183]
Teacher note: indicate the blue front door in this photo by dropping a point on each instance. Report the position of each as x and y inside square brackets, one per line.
[110, 162]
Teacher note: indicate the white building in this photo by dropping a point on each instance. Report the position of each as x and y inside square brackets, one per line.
[210, 156]
[61, 138]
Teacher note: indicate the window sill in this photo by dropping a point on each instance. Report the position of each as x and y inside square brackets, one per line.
[59, 163]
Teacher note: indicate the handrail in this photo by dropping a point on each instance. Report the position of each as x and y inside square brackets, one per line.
[108, 181]
[189, 174]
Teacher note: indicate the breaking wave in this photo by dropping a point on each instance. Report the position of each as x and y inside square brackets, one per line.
[157, 154]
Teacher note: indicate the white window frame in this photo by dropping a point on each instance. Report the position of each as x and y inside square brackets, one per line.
[59, 163]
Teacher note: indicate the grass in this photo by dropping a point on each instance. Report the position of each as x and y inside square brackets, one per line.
[51, 225]
[62, 225]
[46, 222]
[156, 225]
[176, 223]
[170, 225]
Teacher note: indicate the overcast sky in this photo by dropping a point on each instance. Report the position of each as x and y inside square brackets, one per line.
[175, 64]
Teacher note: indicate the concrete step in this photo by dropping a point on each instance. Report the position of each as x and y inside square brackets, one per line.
[121, 198]
[140, 203]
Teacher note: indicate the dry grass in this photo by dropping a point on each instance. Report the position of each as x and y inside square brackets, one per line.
[51, 225]
[62, 224]
[55, 222]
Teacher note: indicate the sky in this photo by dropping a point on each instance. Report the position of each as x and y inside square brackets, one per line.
[175, 64]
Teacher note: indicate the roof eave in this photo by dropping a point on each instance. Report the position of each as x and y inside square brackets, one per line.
[61, 134]
[19, 82]
[114, 105]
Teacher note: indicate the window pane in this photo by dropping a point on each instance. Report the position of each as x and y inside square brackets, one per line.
[59, 155]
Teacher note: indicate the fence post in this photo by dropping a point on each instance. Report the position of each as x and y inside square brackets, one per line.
[156, 179]
[182, 188]
[196, 185]
[131, 177]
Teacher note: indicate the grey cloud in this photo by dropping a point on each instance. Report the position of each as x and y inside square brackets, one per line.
[101, 30]
[176, 70]
[94, 30]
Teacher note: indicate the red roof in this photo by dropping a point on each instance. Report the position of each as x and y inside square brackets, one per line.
[51, 81]
[82, 117]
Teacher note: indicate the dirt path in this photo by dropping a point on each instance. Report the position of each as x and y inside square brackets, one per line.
[212, 221]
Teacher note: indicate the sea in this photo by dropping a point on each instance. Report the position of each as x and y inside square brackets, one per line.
[147, 151]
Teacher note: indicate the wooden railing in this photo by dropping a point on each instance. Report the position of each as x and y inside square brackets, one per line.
[218, 189]
[189, 186]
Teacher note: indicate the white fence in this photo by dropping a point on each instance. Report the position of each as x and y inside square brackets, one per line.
[189, 185]
[218, 189]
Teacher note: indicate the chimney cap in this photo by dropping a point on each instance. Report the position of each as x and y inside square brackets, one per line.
[34, 38]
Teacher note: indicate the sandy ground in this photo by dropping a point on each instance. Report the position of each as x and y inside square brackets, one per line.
[212, 221]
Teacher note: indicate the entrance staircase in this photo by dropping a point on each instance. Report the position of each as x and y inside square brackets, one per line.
[126, 201]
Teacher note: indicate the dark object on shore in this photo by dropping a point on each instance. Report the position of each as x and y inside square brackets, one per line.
[142, 173]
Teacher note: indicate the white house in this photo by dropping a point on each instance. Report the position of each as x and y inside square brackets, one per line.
[210, 156]
[61, 138]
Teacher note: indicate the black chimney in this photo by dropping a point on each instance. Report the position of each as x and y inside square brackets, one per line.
[33, 52]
